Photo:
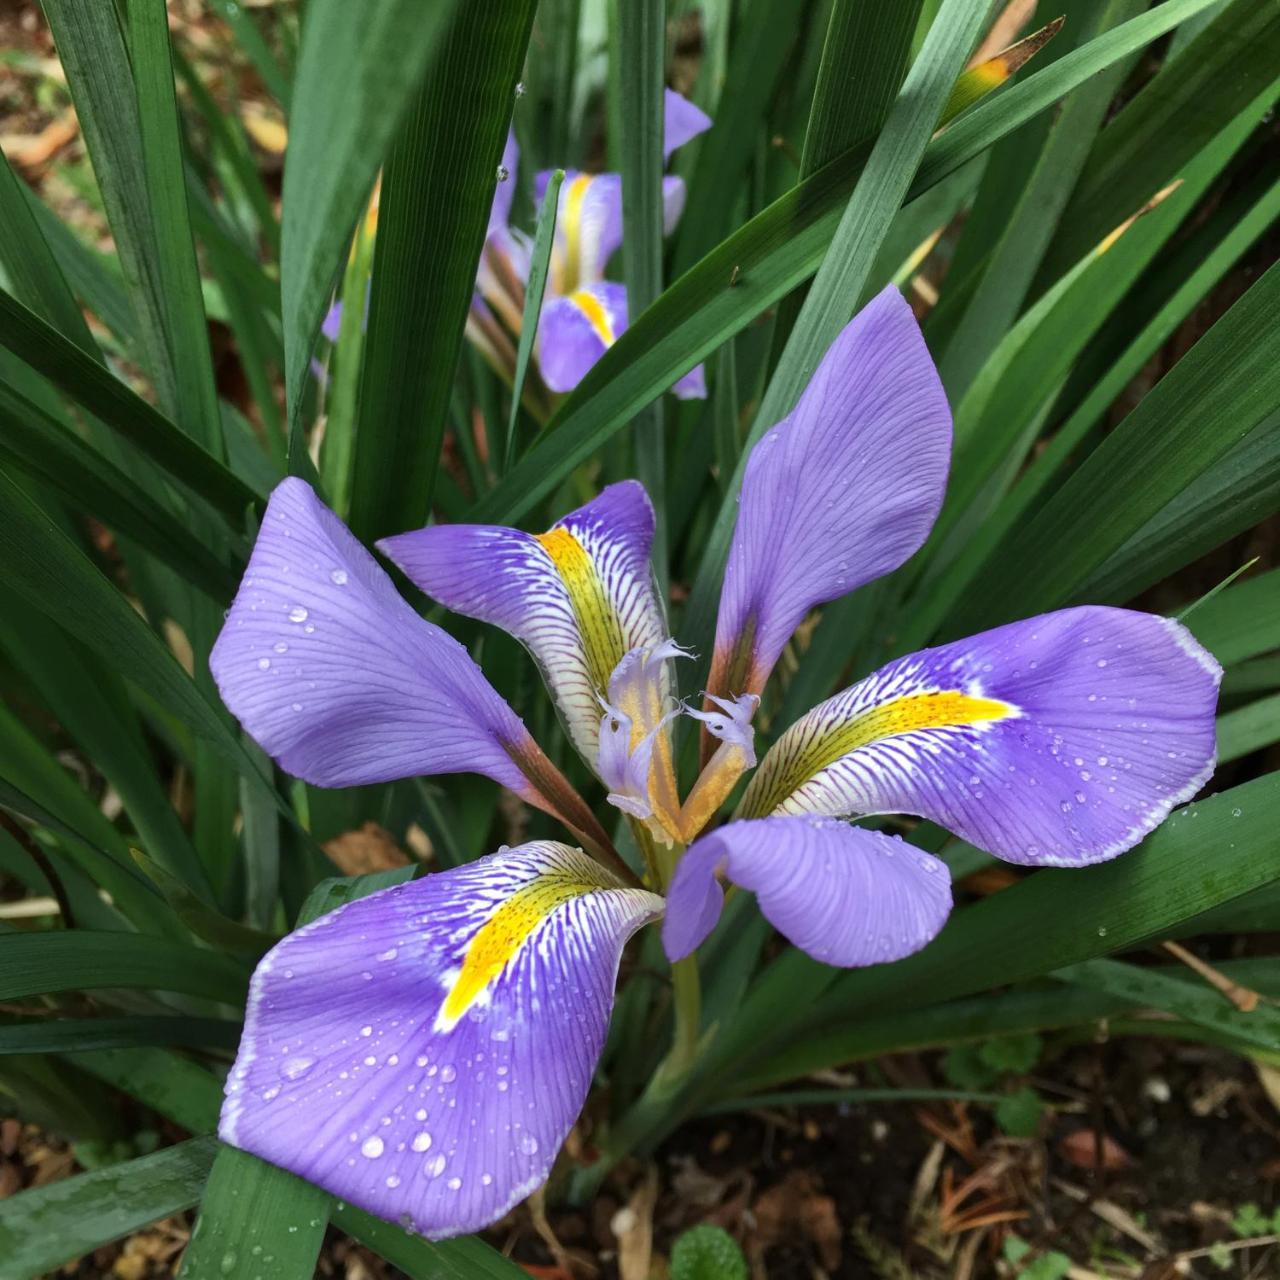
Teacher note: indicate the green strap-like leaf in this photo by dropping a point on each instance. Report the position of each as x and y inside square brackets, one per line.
[777, 250]
[358, 68]
[1200, 1003]
[434, 208]
[86, 960]
[47, 1226]
[91, 385]
[81, 1035]
[642, 48]
[1206, 404]
[1228, 64]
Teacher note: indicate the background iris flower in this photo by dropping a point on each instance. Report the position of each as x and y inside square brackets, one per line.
[583, 314]
[424, 1052]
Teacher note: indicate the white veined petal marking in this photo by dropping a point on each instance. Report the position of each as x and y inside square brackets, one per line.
[880, 723]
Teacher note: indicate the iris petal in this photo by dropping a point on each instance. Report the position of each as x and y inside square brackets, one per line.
[1061, 740]
[579, 596]
[842, 491]
[424, 1051]
[339, 680]
[576, 330]
[844, 895]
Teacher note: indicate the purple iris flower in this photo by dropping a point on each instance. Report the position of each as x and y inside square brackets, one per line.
[423, 1052]
[583, 314]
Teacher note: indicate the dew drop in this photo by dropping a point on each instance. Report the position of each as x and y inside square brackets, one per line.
[529, 1144]
[371, 1148]
[448, 1073]
[296, 1068]
[454, 1184]
[434, 1167]
[503, 173]
[393, 1181]
[422, 1141]
[338, 577]
[297, 614]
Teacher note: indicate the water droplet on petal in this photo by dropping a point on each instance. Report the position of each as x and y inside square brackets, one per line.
[297, 614]
[371, 1147]
[338, 577]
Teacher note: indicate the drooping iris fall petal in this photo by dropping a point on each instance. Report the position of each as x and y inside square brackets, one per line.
[579, 597]
[423, 1052]
[844, 895]
[339, 680]
[1061, 740]
[841, 491]
[578, 328]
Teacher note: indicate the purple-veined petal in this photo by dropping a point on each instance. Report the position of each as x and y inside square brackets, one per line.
[1059, 741]
[576, 330]
[339, 680]
[681, 122]
[844, 895]
[842, 491]
[423, 1052]
[579, 596]
[588, 227]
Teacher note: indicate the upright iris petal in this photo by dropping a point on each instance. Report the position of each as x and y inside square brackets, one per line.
[844, 895]
[1057, 741]
[842, 491]
[580, 596]
[337, 678]
[423, 1052]
[589, 210]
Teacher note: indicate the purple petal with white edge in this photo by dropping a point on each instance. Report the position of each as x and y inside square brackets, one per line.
[423, 1052]
[681, 122]
[576, 330]
[579, 596]
[842, 491]
[588, 227]
[337, 678]
[1059, 741]
[843, 895]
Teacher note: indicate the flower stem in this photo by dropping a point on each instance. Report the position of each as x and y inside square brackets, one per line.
[687, 992]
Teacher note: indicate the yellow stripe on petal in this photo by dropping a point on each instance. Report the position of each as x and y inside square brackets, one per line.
[575, 192]
[941, 709]
[597, 619]
[596, 315]
[499, 941]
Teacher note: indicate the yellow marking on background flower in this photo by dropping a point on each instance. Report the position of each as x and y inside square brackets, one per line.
[499, 941]
[571, 220]
[597, 619]
[945, 709]
[597, 316]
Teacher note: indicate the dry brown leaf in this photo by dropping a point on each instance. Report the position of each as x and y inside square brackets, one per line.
[633, 1226]
[368, 848]
[1081, 1148]
[34, 150]
[265, 129]
[796, 1208]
